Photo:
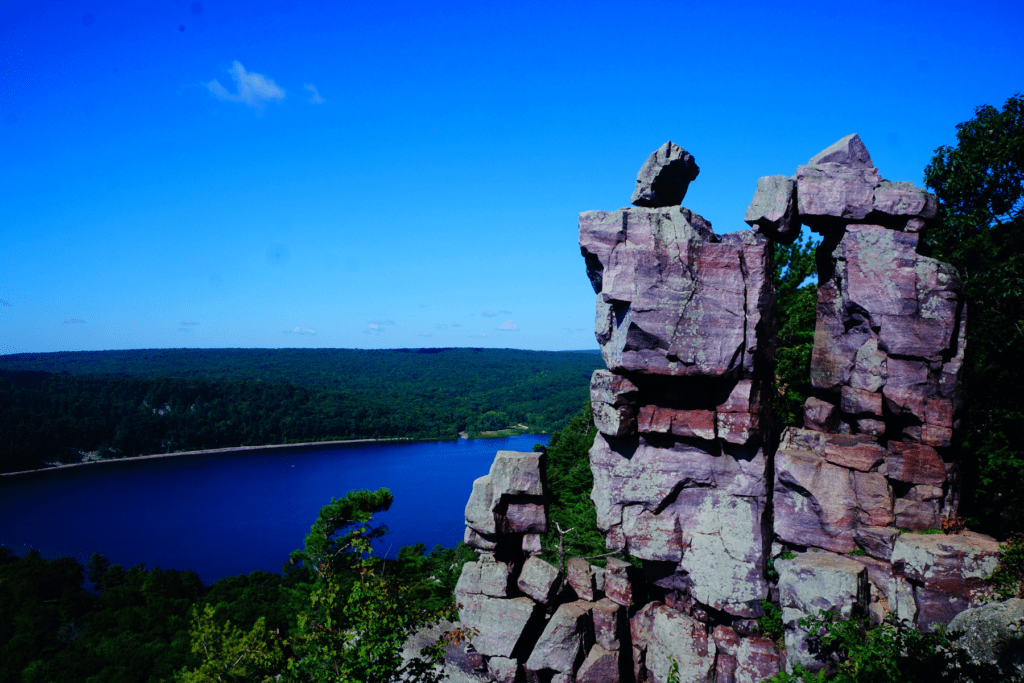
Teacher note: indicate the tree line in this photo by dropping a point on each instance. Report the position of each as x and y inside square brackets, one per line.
[57, 416]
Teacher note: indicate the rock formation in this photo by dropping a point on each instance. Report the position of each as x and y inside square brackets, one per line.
[689, 476]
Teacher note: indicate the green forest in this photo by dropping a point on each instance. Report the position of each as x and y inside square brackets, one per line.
[56, 407]
[336, 612]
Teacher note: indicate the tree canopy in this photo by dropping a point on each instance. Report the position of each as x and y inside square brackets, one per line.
[980, 184]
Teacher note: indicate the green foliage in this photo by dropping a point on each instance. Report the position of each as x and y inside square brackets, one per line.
[673, 672]
[125, 403]
[1008, 578]
[569, 483]
[332, 541]
[358, 636]
[770, 623]
[854, 651]
[980, 183]
[796, 288]
[227, 653]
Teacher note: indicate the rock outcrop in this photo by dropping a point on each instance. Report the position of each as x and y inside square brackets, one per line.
[689, 476]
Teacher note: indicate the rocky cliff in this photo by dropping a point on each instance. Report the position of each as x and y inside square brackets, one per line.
[689, 475]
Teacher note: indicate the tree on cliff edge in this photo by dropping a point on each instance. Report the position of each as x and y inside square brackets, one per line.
[980, 183]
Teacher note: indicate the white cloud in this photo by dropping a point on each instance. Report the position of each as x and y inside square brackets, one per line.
[375, 327]
[509, 325]
[482, 334]
[254, 90]
[73, 321]
[301, 330]
[488, 314]
[314, 94]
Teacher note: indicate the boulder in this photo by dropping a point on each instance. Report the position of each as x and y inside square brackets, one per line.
[667, 635]
[877, 542]
[955, 564]
[499, 623]
[502, 669]
[524, 518]
[836, 191]
[723, 558]
[665, 177]
[772, 211]
[613, 402]
[538, 579]
[905, 200]
[757, 659]
[565, 639]
[600, 666]
[814, 582]
[849, 151]
[581, 578]
[915, 464]
[820, 416]
[619, 577]
[991, 633]
[609, 621]
[815, 501]
[494, 578]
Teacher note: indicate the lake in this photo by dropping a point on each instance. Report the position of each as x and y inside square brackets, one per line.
[232, 513]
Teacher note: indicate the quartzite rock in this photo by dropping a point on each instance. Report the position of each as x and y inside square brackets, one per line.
[609, 619]
[665, 177]
[600, 666]
[538, 579]
[668, 635]
[499, 623]
[813, 582]
[581, 578]
[565, 639]
[986, 632]
[613, 401]
[673, 297]
[849, 151]
[502, 669]
[772, 211]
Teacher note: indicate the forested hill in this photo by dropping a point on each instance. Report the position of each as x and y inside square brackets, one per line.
[56, 406]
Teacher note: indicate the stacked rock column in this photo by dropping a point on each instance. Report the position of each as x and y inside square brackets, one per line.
[873, 457]
[527, 619]
[682, 473]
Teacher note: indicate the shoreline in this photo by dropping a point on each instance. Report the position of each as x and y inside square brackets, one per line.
[211, 451]
[243, 449]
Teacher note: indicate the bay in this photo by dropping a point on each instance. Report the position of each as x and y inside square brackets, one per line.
[231, 513]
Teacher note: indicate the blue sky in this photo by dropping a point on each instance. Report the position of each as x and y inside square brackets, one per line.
[370, 175]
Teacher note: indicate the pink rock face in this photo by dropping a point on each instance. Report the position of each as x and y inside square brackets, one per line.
[609, 618]
[815, 502]
[600, 666]
[835, 190]
[699, 424]
[668, 636]
[673, 297]
[915, 464]
[772, 211]
[618, 581]
[947, 572]
[613, 401]
[819, 415]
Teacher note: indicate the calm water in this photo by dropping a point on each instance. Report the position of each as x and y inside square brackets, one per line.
[222, 515]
